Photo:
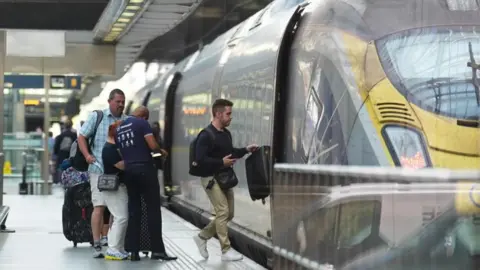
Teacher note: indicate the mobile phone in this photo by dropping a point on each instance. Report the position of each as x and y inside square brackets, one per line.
[210, 184]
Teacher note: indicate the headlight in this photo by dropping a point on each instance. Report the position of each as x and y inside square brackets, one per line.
[406, 147]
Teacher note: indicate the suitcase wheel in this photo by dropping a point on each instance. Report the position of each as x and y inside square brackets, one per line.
[74, 244]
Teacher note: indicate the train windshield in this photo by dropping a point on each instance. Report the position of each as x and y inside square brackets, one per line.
[436, 68]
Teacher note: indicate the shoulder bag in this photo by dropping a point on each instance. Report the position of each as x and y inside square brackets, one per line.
[226, 179]
[108, 182]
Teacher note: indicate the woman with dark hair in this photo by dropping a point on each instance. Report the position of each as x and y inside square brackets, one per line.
[116, 201]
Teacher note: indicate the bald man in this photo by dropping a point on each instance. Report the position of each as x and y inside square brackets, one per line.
[136, 142]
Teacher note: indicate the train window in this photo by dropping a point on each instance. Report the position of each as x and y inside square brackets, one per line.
[432, 68]
[356, 222]
[315, 235]
[327, 146]
[313, 116]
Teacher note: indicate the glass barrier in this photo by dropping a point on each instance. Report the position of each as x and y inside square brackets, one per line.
[348, 217]
[23, 149]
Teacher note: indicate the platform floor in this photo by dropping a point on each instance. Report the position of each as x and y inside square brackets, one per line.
[38, 242]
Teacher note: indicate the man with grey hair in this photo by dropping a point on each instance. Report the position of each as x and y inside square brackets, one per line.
[114, 112]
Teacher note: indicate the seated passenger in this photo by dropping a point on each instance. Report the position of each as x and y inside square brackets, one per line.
[116, 201]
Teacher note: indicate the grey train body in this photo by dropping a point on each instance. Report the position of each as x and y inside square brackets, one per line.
[242, 65]
[286, 69]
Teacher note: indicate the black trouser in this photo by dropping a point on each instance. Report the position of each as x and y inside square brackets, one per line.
[142, 180]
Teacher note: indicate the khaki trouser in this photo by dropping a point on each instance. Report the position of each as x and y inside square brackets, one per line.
[223, 204]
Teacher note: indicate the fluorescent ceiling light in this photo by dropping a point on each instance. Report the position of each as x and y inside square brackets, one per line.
[132, 7]
[124, 20]
[136, 1]
[119, 24]
[128, 14]
[117, 29]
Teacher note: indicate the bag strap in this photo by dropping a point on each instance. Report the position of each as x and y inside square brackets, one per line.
[212, 136]
[229, 134]
[97, 123]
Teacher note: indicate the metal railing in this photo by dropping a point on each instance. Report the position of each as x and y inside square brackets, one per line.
[300, 193]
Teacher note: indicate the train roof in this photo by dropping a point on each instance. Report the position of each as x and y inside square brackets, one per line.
[374, 19]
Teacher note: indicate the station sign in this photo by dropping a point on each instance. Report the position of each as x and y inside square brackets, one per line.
[37, 82]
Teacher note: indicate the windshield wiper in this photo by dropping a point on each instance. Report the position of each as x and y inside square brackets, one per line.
[475, 67]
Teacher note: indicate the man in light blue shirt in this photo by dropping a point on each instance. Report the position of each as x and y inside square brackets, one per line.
[116, 102]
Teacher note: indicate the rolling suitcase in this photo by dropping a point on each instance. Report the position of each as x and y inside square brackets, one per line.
[144, 233]
[76, 214]
[257, 167]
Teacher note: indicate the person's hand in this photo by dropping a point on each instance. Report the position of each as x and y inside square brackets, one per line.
[90, 159]
[164, 153]
[228, 161]
[252, 147]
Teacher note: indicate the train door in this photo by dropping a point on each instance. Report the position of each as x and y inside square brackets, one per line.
[169, 189]
[281, 88]
[147, 97]
[280, 102]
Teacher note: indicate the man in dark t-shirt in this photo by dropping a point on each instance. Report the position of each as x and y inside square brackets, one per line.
[135, 140]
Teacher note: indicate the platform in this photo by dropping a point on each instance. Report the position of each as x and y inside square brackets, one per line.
[38, 242]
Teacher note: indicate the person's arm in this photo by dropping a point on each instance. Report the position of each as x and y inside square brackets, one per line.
[239, 152]
[149, 138]
[120, 165]
[56, 146]
[85, 132]
[201, 152]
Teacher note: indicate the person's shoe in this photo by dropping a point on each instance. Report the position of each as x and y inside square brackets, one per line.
[201, 245]
[104, 241]
[126, 253]
[162, 256]
[115, 255]
[134, 257]
[97, 252]
[231, 255]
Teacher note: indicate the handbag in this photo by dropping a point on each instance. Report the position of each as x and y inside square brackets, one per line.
[226, 179]
[108, 182]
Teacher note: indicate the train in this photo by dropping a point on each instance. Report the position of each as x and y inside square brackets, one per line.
[337, 82]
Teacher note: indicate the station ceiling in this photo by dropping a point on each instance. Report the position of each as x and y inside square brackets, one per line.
[210, 19]
[51, 14]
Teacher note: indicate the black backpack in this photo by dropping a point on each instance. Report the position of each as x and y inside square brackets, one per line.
[195, 170]
[77, 159]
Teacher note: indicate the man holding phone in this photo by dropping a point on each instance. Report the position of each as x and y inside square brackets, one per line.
[213, 157]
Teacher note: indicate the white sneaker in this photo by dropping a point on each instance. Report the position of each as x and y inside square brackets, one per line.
[104, 241]
[202, 246]
[97, 252]
[113, 254]
[231, 255]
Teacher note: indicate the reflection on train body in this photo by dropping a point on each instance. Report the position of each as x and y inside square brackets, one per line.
[384, 226]
[346, 82]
